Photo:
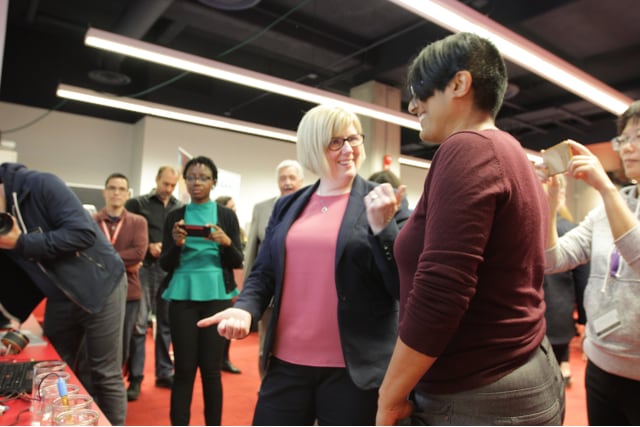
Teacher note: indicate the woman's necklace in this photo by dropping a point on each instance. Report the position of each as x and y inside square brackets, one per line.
[325, 202]
[322, 201]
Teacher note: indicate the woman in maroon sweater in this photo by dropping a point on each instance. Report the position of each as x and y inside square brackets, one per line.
[471, 342]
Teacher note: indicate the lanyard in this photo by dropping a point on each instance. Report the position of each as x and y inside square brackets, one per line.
[113, 238]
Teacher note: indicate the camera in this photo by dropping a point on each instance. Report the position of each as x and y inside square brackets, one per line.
[6, 223]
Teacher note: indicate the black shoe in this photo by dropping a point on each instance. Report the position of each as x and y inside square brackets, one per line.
[133, 392]
[230, 367]
[166, 382]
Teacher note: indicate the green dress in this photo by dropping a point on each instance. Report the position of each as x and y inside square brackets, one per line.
[199, 275]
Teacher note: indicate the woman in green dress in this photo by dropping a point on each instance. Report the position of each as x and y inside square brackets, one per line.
[200, 283]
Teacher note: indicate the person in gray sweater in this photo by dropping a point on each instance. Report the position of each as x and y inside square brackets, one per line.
[609, 237]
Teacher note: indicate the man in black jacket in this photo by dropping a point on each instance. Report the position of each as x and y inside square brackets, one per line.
[54, 249]
[154, 207]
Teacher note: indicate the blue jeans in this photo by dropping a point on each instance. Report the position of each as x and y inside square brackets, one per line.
[533, 394]
[68, 326]
[151, 278]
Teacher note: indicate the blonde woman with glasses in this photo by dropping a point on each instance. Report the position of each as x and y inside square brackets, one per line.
[328, 263]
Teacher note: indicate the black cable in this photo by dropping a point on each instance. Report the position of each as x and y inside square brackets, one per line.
[37, 119]
[18, 415]
[224, 53]
[39, 386]
[15, 396]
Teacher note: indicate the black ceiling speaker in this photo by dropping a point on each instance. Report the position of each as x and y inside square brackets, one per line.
[110, 78]
[230, 4]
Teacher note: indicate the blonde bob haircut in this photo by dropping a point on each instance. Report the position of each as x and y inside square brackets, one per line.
[316, 129]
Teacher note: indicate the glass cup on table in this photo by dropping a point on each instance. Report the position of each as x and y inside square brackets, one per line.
[77, 417]
[42, 368]
[50, 393]
[42, 380]
[75, 402]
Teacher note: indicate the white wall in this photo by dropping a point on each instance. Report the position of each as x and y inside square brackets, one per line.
[76, 148]
[84, 150]
[413, 178]
[252, 157]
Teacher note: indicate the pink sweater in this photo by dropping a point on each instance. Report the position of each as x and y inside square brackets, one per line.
[307, 332]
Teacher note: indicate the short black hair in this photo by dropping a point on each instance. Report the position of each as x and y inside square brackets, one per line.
[201, 160]
[116, 175]
[438, 63]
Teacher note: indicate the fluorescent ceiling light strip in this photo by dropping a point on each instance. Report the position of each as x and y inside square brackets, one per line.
[456, 16]
[208, 67]
[158, 110]
[425, 164]
[173, 113]
[415, 162]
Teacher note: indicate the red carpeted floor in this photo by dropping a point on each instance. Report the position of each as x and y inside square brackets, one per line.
[240, 391]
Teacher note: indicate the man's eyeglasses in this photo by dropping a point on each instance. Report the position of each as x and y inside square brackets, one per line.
[619, 141]
[114, 189]
[191, 178]
[337, 142]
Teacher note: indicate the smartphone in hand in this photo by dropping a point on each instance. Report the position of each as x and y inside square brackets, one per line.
[196, 230]
[557, 157]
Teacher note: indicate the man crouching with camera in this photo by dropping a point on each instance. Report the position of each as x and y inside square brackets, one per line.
[51, 247]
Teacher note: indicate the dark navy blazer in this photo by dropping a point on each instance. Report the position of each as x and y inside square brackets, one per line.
[366, 282]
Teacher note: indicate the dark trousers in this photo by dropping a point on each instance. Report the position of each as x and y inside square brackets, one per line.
[561, 352]
[151, 277]
[130, 315]
[611, 400]
[82, 363]
[194, 348]
[300, 395]
[71, 329]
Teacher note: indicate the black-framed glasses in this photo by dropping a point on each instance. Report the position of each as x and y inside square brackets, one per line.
[337, 142]
[619, 141]
[203, 179]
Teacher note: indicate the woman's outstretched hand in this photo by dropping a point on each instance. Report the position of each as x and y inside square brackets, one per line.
[233, 323]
